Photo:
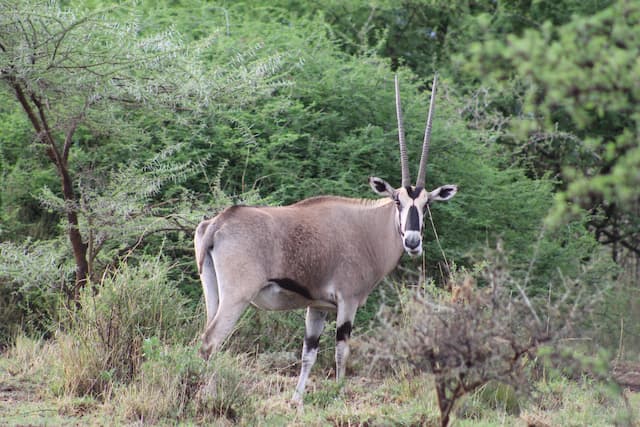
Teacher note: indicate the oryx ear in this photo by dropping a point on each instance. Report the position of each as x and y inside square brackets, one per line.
[381, 186]
[446, 192]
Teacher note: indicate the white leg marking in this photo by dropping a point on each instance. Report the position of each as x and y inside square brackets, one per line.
[314, 324]
[342, 355]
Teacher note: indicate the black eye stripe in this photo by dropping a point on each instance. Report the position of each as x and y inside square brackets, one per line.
[413, 220]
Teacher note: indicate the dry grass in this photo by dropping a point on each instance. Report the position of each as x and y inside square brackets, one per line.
[238, 390]
[29, 357]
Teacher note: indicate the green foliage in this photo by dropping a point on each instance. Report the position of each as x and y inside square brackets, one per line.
[20, 213]
[119, 209]
[32, 278]
[97, 91]
[103, 340]
[580, 109]
[425, 34]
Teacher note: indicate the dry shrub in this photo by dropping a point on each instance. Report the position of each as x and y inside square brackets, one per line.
[465, 345]
[480, 335]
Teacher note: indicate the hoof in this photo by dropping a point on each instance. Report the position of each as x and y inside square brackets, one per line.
[205, 352]
[297, 403]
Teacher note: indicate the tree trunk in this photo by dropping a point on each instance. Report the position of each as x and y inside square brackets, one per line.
[75, 237]
[38, 117]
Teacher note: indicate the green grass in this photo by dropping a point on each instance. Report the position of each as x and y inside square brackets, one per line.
[244, 391]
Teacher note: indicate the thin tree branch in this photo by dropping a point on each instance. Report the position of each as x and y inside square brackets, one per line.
[68, 140]
[58, 160]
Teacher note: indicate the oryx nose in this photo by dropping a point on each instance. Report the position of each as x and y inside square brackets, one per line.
[412, 241]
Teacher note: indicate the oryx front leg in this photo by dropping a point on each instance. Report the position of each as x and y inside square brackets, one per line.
[314, 324]
[344, 323]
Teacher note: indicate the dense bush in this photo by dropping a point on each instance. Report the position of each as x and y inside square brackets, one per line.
[322, 121]
[576, 113]
[33, 276]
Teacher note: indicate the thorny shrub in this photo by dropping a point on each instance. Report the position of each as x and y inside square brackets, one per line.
[480, 335]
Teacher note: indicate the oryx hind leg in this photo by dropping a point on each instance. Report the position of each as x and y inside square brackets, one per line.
[314, 325]
[209, 287]
[236, 288]
[221, 325]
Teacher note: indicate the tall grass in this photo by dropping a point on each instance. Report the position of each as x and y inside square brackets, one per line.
[101, 341]
[30, 357]
[175, 384]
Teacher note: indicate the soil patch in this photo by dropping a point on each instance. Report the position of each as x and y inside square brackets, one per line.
[627, 374]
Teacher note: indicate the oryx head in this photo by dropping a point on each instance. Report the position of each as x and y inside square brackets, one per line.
[412, 201]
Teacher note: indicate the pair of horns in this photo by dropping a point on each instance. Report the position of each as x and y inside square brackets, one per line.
[404, 162]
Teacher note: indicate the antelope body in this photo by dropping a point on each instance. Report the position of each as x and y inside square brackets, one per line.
[324, 254]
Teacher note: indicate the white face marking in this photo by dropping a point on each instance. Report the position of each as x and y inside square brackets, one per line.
[411, 203]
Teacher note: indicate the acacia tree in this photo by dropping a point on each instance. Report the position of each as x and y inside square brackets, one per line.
[92, 76]
[579, 113]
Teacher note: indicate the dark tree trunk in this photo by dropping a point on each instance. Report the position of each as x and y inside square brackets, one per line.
[38, 117]
[75, 237]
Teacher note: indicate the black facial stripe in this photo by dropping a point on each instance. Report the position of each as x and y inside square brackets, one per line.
[311, 343]
[293, 286]
[343, 332]
[413, 192]
[413, 221]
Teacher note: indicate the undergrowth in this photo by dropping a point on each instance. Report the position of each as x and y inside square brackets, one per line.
[128, 355]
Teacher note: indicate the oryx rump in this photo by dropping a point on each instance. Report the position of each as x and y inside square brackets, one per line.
[324, 254]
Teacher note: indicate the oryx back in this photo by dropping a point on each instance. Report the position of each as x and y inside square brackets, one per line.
[280, 258]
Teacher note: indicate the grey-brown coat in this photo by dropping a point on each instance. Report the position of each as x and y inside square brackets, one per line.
[323, 254]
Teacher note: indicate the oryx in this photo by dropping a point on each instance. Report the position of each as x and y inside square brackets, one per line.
[323, 254]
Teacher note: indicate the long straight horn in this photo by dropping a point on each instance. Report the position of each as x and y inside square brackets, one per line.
[404, 161]
[422, 171]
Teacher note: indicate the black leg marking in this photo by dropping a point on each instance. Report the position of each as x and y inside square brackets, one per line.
[343, 332]
[311, 343]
